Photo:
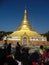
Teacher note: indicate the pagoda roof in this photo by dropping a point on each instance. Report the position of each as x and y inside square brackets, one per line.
[25, 28]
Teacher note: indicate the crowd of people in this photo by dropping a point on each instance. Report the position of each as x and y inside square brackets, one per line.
[21, 56]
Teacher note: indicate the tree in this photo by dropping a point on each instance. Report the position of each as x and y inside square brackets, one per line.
[46, 34]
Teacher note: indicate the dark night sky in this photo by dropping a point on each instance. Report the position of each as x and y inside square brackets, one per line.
[11, 14]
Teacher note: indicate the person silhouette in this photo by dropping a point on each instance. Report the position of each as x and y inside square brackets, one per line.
[9, 49]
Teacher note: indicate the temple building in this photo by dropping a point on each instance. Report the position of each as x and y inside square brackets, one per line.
[25, 34]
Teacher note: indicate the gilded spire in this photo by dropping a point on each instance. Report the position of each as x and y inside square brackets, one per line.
[25, 24]
[25, 28]
[25, 16]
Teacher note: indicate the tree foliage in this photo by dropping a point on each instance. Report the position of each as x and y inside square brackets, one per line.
[47, 35]
[3, 33]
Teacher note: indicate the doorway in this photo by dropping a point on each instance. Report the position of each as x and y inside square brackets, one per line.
[24, 40]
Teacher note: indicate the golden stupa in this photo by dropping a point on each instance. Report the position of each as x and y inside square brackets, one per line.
[25, 34]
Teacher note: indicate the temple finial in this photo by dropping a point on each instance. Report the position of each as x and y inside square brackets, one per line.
[25, 11]
[25, 15]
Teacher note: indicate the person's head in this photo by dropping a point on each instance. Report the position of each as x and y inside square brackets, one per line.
[18, 44]
[41, 47]
[9, 43]
[5, 41]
